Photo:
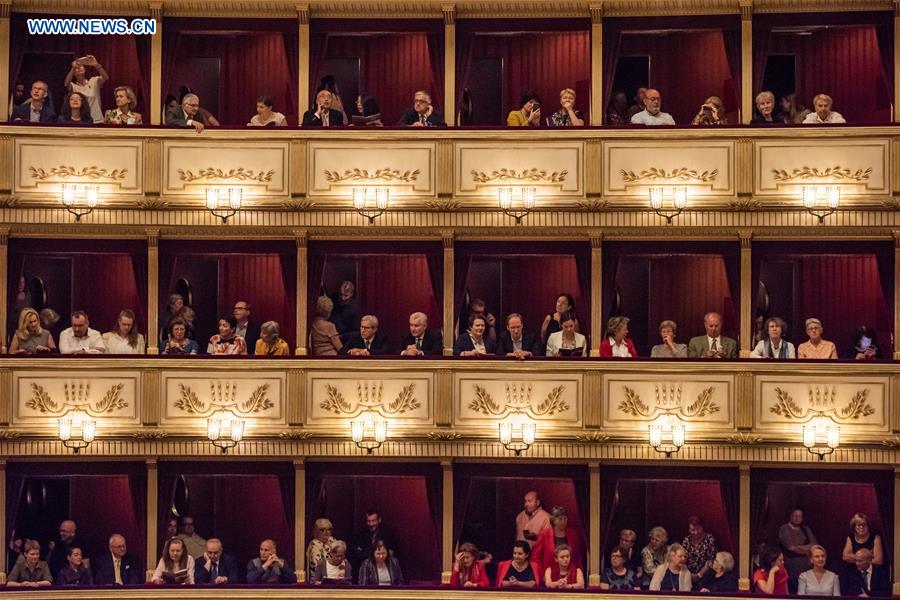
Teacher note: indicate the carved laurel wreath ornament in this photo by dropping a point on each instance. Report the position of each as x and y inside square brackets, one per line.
[679, 174]
[836, 173]
[214, 174]
[65, 172]
[668, 399]
[531, 175]
[821, 402]
[518, 396]
[223, 396]
[76, 396]
[379, 175]
[372, 397]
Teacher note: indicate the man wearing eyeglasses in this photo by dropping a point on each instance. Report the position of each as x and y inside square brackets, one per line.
[246, 328]
[422, 114]
[187, 114]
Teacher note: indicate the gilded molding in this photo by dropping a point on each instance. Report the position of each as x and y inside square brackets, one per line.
[518, 396]
[223, 396]
[744, 438]
[679, 174]
[5, 8]
[593, 437]
[151, 396]
[66, 172]
[596, 13]
[370, 396]
[443, 397]
[357, 175]
[836, 173]
[443, 204]
[6, 396]
[746, 7]
[214, 175]
[77, 396]
[6, 434]
[743, 398]
[593, 399]
[821, 402]
[150, 434]
[668, 400]
[295, 434]
[449, 13]
[443, 436]
[532, 175]
[156, 10]
[296, 397]
[302, 14]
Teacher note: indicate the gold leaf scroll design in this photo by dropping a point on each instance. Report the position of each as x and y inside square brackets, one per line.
[360, 175]
[679, 174]
[532, 175]
[66, 172]
[77, 397]
[214, 174]
[370, 397]
[701, 407]
[822, 406]
[224, 398]
[836, 173]
[518, 397]
[40, 400]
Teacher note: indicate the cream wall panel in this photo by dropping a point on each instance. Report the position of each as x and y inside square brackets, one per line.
[261, 168]
[336, 397]
[555, 169]
[337, 167]
[41, 397]
[482, 399]
[43, 164]
[191, 397]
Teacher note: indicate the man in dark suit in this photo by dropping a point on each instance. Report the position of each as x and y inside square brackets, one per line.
[422, 114]
[713, 344]
[346, 314]
[215, 567]
[246, 328]
[323, 115]
[865, 579]
[368, 342]
[187, 114]
[515, 341]
[37, 109]
[420, 341]
[117, 567]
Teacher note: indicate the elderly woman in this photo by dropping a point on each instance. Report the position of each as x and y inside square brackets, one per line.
[324, 339]
[818, 581]
[617, 344]
[176, 309]
[559, 532]
[74, 573]
[178, 343]
[668, 349]
[528, 114]
[721, 577]
[561, 574]
[618, 576]
[226, 342]
[700, 547]
[380, 568]
[75, 110]
[520, 571]
[567, 341]
[823, 115]
[566, 116]
[674, 575]
[123, 114]
[765, 109]
[816, 347]
[265, 116]
[125, 338]
[474, 342]
[771, 577]
[30, 337]
[176, 567]
[565, 305]
[270, 342]
[30, 571]
[368, 113]
[774, 345]
[335, 567]
[320, 545]
[654, 553]
[468, 571]
[712, 112]
[861, 536]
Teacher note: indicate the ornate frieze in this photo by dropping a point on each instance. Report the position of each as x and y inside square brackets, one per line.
[334, 398]
[482, 400]
[42, 397]
[256, 396]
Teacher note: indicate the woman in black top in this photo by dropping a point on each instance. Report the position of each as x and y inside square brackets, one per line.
[74, 573]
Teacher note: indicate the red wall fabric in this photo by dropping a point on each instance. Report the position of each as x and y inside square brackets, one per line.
[102, 506]
[119, 290]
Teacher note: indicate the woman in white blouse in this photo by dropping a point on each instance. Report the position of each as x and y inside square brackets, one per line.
[774, 345]
[125, 339]
[818, 581]
[265, 116]
[176, 567]
[567, 341]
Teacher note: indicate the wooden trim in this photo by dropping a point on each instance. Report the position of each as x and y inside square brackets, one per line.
[744, 539]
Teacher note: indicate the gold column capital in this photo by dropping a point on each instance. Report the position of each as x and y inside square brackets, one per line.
[5, 9]
[447, 238]
[449, 13]
[301, 237]
[895, 233]
[4, 236]
[897, 9]
[302, 14]
[746, 10]
[596, 9]
[595, 236]
[745, 236]
[156, 10]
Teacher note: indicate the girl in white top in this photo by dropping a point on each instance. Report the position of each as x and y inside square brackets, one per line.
[265, 116]
[818, 581]
[76, 81]
[566, 339]
[126, 339]
[176, 563]
[774, 345]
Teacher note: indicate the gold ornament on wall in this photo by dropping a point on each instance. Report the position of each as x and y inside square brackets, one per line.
[295, 435]
[594, 437]
[679, 174]
[528, 175]
[77, 396]
[744, 438]
[836, 173]
[213, 174]
[223, 397]
[362, 175]
[821, 402]
[518, 396]
[370, 396]
[443, 436]
[669, 400]
[67, 172]
[150, 434]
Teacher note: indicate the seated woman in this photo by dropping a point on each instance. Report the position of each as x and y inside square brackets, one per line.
[74, 573]
[565, 305]
[567, 342]
[616, 343]
[520, 572]
[75, 110]
[176, 567]
[561, 574]
[335, 568]
[265, 116]
[177, 342]
[468, 571]
[123, 113]
[674, 575]
[617, 576]
[617, 110]
[566, 116]
[529, 112]
[380, 568]
[774, 345]
[125, 338]
[269, 342]
[816, 347]
[30, 337]
[765, 109]
[324, 339]
[320, 545]
[226, 342]
[368, 112]
[474, 342]
[176, 309]
[771, 577]
[818, 581]
[721, 577]
[712, 112]
[792, 112]
[861, 536]
[654, 553]
[823, 115]
[866, 345]
[668, 349]
[30, 571]
[559, 532]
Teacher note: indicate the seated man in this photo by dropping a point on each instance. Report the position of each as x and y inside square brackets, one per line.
[420, 341]
[323, 115]
[117, 567]
[80, 338]
[515, 341]
[713, 344]
[187, 114]
[269, 568]
[652, 115]
[215, 567]
[422, 114]
[38, 108]
[865, 578]
[823, 115]
[194, 544]
[368, 341]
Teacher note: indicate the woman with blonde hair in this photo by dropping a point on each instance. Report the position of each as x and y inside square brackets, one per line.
[861, 536]
[674, 576]
[320, 546]
[123, 113]
[30, 337]
[818, 581]
[324, 339]
[125, 337]
[653, 555]
[566, 116]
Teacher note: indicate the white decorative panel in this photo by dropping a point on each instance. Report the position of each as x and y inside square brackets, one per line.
[701, 401]
[555, 169]
[336, 397]
[337, 167]
[260, 168]
[191, 397]
[110, 397]
[858, 166]
[483, 399]
[705, 167]
[115, 166]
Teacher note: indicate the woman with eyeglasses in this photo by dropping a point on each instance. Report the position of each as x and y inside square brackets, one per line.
[320, 545]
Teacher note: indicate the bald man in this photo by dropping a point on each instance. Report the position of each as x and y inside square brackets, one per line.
[269, 568]
[57, 559]
[117, 567]
[215, 567]
[652, 113]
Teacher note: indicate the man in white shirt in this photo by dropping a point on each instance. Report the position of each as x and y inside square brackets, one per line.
[823, 115]
[532, 520]
[80, 338]
[652, 115]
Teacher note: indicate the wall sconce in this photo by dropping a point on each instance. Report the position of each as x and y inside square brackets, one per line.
[811, 194]
[368, 430]
[517, 432]
[360, 202]
[528, 200]
[811, 437]
[76, 430]
[224, 202]
[224, 431]
[70, 199]
[679, 201]
[666, 435]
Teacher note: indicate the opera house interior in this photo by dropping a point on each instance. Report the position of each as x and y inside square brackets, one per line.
[388, 299]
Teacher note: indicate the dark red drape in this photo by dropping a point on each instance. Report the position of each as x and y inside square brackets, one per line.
[105, 505]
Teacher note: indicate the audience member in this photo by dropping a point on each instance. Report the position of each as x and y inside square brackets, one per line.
[58, 557]
[792, 111]
[195, 544]
[559, 532]
[532, 520]
[268, 568]
[31, 571]
[75, 110]
[865, 346]
[861, 536]
[633, 561]
[674, 576]
[320, 545]
[171, 528]
[652, 113]
[520, 572]
[712, 112]
[265, 116]
[176, 567]
[227, 342]
[30, 337]
[14, 551]
[366, 540]
[324, 339]
[245, 328]
[774, 345]
[208, 119]
[529, 112]
[638, 105]
[713, 344]
[565, 305]
[771, 577]
[668, 349]
[478, 308]
[721, 578]
[468, 571]
[177, 342]
[323, 115]
[567, 342]
[74, 573]
[176, 309]
[270, 342]
[796, 538]
[368, 341]
[423, 113]
[77, 81]
[617, 343]
[16, 98]
[124, 113]
[700, 548]
[380, 568]
[328, 82]
[816, 347]
[335, 568]
[80, 338]
[818, 581]
[654, 553]
[420, 341]
[866, 578]
[474, 342]
[566, 116]
[561, 574]
[368, 112]
[49, 318]
[187, 114]
[215, 567]
[37, 109]
[517, 342]
[765, 109]
[170, 103]
[618, 576]
[117, 567]
[125, 338]
[346, 313]
[824, 114]
[617, 110]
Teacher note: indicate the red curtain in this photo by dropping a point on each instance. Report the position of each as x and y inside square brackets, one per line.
[103, 505]
[119, 290]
